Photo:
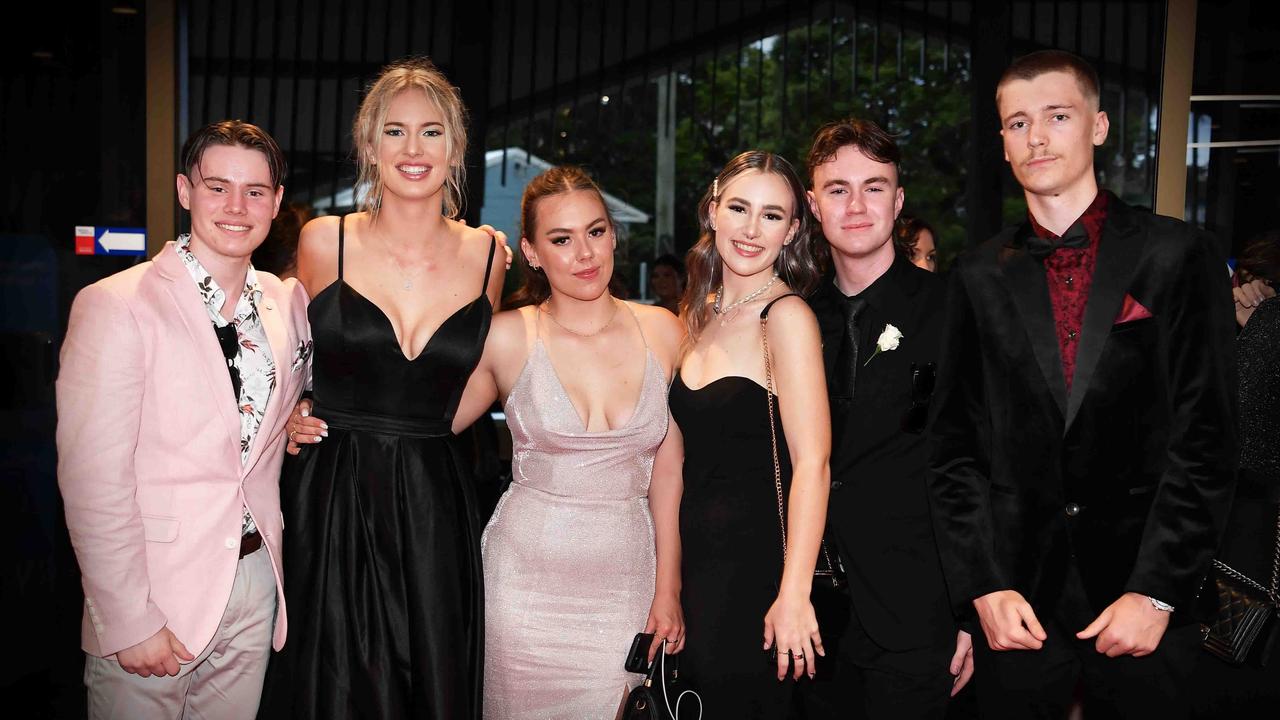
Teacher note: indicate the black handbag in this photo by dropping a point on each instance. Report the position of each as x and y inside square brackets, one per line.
[829, 591]
[1241, 611]
[663, 694]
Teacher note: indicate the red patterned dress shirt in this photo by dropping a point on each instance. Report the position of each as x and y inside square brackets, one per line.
[1069, 273]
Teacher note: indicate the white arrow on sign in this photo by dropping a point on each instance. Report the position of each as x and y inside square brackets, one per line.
[118, 241]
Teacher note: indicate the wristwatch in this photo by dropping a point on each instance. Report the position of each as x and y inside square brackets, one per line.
[1162, 606]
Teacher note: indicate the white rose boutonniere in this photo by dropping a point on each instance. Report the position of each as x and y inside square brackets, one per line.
[888, 340]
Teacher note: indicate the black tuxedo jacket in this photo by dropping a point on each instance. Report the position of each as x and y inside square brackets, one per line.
[879, 507]
[1129, 476]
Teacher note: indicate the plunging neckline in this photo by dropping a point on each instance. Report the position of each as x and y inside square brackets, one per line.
[635, 409]
[391, 326]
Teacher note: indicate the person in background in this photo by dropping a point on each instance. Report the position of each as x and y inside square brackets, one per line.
[915, 240]
[278, 254]
[667, 282]
[1252, 689]
[177, 378]
[1084, 425]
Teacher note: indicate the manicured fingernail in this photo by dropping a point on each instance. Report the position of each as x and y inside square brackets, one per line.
[324, 425]
[306, 412]
[317, 439]
[324, 433]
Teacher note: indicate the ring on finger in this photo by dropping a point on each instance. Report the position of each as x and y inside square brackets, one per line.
[291, 432]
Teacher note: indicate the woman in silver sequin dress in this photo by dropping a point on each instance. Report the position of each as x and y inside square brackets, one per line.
[583, 549]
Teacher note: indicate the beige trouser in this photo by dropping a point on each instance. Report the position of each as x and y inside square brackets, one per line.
[223, 683]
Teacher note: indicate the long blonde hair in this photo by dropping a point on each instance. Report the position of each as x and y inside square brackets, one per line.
[796, 264]
[413, 73]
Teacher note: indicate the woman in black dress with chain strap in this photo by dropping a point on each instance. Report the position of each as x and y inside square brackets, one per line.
[750, 530]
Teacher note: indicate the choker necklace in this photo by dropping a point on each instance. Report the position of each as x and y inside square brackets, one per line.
[727, 313]
[602, 328]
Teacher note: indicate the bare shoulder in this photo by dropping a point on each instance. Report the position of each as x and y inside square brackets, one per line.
[509, 335]
[511, 323]
[319, 234]
[475, 241]
[791, 311]
[318, 253]
[663, 330]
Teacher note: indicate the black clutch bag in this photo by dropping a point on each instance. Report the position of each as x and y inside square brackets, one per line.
[663, 694]
[1241, 612]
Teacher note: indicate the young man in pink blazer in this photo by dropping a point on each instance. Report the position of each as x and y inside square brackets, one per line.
[177, 378]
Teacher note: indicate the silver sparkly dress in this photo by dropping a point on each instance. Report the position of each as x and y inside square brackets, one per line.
[569, 555]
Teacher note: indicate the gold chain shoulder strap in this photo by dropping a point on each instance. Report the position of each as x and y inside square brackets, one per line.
[773, 430]
[773, 441]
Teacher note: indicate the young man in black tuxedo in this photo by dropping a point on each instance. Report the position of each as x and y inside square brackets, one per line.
[1084, 434]
[881, 317]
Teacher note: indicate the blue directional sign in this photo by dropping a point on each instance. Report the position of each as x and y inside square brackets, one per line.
[99, 240]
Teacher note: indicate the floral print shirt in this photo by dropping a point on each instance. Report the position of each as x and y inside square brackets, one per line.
[253, 361]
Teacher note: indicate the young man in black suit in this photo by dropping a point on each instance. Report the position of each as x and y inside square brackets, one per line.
[1084, 431]
[881, 317]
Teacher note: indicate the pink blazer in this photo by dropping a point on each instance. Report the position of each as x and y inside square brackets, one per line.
[149, 452]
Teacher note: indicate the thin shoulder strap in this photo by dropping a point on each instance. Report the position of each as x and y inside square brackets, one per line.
[493, 246]
[764, 314]
[342, 219]
[636, 317]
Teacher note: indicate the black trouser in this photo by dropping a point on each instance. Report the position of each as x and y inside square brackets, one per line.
[1025, 684]
[873, 683]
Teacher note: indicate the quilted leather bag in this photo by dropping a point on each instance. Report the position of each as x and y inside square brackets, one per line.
[1242, 611]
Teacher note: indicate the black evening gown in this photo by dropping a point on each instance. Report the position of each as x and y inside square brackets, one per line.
[731, 543]
[383, 582]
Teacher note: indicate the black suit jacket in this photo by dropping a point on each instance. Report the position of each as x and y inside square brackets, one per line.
[1129, 476]
[879, 507]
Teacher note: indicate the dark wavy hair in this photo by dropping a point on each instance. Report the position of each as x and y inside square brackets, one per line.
[1260, 258]
[906, 233]
[797, 263]
[234, 133]
[556, 181]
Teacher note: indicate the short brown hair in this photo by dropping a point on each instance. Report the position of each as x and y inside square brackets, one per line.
[234, 133]
[420, 74]
[1033, 65]
[869, 138]
[556, 181]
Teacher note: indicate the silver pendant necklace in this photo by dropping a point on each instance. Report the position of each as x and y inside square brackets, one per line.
[406, 279]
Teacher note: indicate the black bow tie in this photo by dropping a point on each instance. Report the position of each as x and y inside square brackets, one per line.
[1075, 237]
